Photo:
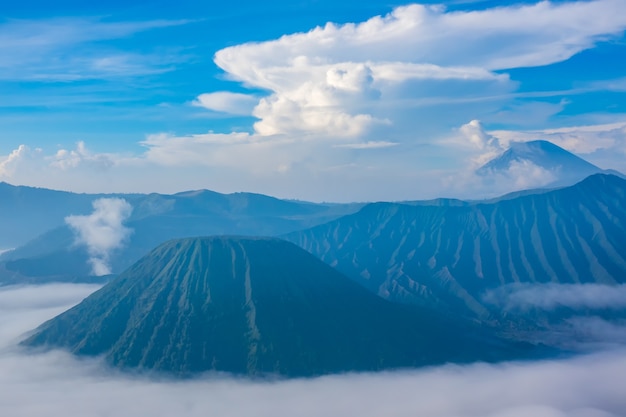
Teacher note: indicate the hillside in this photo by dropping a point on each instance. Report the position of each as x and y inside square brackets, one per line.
[256, 306]
[450, 255]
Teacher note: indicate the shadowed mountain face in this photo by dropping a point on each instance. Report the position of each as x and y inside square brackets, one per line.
[562, 166]
[449, 256]
[255, 306]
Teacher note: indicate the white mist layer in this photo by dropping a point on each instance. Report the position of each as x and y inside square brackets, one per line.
[551, 296]
[57, 384]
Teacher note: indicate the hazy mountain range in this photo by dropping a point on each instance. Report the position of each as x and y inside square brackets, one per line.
[383, 285]
[59, 255]
[453, 254]
[48, 248]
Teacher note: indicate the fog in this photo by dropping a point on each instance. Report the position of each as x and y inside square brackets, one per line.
[551, 296]
[57, 384]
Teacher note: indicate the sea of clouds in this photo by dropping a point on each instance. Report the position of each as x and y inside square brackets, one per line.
[55, 383]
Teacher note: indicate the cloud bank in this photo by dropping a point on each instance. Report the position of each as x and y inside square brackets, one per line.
[551, 296]
[55, 383]
[102, 231]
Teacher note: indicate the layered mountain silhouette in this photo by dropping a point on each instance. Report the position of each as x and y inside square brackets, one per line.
[55, 256]
[561, 167]
[24, 217]
[256, 306]
[448, 256]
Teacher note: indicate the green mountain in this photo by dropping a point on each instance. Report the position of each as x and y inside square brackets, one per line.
[447, 256]
[256, 306]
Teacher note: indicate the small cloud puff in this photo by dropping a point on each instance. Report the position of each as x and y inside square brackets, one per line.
[102, 231]
[227, 102]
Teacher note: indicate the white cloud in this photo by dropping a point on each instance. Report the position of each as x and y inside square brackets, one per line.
[245, 152]
[578, 139]
[22, 308]
[527, 175]
[227, 102]
[476, 135]
[551, 296]
[520, 175]
[102, 231]
[9, 164]
[487, 146]
[534, 35]
[66, 159]
[55, 383]
[331, 79]
[412, 76]
[67, 49]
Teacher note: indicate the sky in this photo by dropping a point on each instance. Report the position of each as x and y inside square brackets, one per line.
[55, 383]
[315, 99]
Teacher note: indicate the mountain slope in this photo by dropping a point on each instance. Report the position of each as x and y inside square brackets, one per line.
[449, 256]
[254, 306]
[155, 219]
[564, 167]
[28, 211]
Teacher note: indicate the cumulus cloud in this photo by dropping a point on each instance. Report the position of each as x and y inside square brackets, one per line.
[8, 164]
[66, 159]
[475, 133]
[102, 231]
[486, 146]
[330, 80]
[551, 296]
[55, 383]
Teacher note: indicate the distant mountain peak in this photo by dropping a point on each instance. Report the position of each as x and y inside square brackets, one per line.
[559, 166]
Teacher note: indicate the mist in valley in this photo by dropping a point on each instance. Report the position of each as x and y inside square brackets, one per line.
[55, 383]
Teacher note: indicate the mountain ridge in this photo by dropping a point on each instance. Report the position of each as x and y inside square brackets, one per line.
[255, 306]
[155, 218]
[452, 254]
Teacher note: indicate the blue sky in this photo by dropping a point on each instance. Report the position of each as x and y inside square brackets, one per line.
[319, 100]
